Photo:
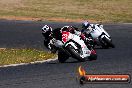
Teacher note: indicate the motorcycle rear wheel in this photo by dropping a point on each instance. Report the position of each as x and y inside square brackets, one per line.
[93, 57]
[62, 57]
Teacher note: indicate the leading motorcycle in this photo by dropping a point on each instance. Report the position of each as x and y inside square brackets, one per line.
[100, 36]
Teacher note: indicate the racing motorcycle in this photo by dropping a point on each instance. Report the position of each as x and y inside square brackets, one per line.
[100, 36]
[74, 46]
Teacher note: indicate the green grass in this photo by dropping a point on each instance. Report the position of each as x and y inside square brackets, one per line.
[15, 56]
[97, 10]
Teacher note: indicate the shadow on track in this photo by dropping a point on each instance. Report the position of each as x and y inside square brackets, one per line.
[67, 62]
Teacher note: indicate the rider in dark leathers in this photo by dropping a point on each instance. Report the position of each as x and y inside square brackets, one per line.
[53, 38]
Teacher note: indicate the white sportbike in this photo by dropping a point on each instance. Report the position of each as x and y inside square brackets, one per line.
[100, 36]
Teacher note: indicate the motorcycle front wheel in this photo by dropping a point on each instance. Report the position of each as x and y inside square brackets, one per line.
[75, 53]
[108, 43]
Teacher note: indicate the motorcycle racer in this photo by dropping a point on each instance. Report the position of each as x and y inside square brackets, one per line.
[87, 27]
[46, 32]
[98, 34]
[53, 38]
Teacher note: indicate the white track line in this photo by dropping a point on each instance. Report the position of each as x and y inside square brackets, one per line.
[13, 65]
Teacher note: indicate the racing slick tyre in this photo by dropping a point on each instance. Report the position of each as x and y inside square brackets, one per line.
[103, 43]
[62, 57]
[93, 57]
[108, 43]
[111, 44]
[75, 53]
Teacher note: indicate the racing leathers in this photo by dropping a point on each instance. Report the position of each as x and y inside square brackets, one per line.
[87, 32]
[55, 38]
[89, 29]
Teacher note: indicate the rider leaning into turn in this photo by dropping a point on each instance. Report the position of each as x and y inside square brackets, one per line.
[53, 38]
[87, 27]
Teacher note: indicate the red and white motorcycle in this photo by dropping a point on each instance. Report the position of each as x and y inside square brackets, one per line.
[74, 46]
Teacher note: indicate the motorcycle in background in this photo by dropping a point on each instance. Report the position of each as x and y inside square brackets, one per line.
[100, 36]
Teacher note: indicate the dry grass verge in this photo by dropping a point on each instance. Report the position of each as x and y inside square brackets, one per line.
[16, 56]
[94, 10]
[68, 10]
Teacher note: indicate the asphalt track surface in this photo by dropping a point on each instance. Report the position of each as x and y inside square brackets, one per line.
[26, 34]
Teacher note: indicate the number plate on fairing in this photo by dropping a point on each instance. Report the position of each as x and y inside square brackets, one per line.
[65, 36]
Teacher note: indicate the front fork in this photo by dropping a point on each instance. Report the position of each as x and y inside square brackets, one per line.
[103, 38]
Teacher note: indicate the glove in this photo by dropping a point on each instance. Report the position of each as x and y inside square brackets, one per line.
[51, 43]
[52, 48]
[82, 36]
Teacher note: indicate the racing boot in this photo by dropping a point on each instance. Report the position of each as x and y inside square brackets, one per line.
[52, 48]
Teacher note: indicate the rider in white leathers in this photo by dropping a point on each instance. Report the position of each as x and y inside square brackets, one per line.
[87, 27]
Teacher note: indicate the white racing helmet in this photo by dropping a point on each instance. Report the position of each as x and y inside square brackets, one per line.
[46, 29]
